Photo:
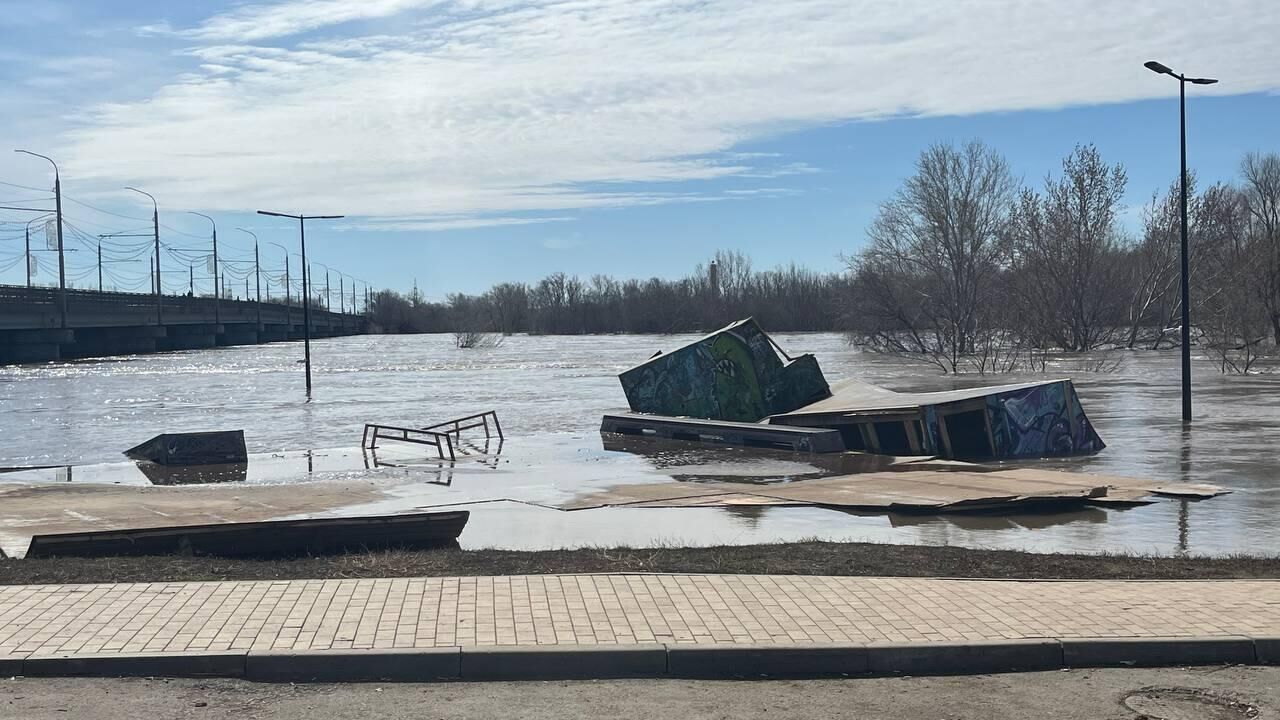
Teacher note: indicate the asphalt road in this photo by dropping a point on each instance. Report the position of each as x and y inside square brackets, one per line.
[1062, 695]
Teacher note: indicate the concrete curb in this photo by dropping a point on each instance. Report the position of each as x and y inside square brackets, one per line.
[399, 665]
[578, 662]
[675, 660]
[1147, 652]
[964, 658]
[1268, 650]
[192, 665]
[725, 661]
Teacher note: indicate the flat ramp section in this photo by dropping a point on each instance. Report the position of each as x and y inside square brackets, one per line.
[274, 537]
[782, 437]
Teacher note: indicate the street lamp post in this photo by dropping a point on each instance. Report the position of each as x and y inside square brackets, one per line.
[155, 226]
[217, 291]
[62, 265]
[257, 276]
[1156, 67]
[288, 300]
[306, 305]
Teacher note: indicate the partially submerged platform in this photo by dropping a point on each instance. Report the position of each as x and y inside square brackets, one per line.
[778, 437]
[1029, 420]
[312, 536]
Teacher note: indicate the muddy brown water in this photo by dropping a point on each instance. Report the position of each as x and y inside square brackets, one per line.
[550, 393]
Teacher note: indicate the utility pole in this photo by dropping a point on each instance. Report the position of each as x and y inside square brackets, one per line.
[155, 224]
[191, 280]
[342, 295]
[306, 305]
[99, 264]
[327, 297]
[62, 265]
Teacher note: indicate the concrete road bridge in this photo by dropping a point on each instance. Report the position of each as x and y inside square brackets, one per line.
[38, 324]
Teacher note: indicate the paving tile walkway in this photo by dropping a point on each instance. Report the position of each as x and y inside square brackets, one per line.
[623, 609]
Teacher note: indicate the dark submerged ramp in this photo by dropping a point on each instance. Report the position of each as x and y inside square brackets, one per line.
[312, 536]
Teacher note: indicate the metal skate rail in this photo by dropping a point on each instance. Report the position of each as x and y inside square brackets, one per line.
[442, 436]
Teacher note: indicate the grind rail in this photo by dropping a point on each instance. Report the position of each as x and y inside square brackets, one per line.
[442, 436]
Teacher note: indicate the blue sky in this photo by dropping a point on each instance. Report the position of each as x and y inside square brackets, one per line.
[476, 141]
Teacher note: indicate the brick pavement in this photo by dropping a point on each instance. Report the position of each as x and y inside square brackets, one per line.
[596, 610]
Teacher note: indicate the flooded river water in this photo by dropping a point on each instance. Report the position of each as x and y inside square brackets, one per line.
[550, 393]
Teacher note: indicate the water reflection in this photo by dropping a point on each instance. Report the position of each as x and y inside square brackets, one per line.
[193, 474]
[982, 522]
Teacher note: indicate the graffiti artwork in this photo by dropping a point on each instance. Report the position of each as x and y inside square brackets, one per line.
[1041, 421]
[734, 374]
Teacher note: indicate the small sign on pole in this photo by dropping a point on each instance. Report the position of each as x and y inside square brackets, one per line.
[32, 265]
[208, 264]
[51, 234]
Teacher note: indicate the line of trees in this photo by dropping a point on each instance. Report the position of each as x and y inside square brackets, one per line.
[966, 268]
[784, 298]
[970, 271]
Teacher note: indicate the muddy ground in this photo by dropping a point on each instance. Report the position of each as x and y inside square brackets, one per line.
[807, 558]
[1231, 693]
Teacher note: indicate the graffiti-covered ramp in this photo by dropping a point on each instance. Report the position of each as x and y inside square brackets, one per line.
[1042, 419]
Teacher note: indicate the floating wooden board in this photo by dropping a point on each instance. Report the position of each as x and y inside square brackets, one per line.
[274, 537]
[904, 491]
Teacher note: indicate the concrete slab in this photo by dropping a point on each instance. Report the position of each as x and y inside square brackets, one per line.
[735, 660]
[1155, 651]
[178, 664]
[564, 662]
[398, 665]
[946, 658]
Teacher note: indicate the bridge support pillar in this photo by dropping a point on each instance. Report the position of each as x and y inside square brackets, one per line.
[238, 334]
[191, 337]
[24, 346]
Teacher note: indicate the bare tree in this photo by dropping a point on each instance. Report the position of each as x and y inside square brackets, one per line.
[1261, 197]
[1066, 244]
[1232, 314]
[928, 278]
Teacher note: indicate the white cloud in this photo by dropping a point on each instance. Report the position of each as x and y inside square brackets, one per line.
[269, 20]
[447, 223]
[458, 111]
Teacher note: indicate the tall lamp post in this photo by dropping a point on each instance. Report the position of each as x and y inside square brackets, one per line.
[155, 227]
[288, 301]
[257, 275]
[306, 304]
[1156, 67]
[62, 265]
[217, 291]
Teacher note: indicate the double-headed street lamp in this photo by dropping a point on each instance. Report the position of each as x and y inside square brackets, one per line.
[306, 288]
[1156, 67]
